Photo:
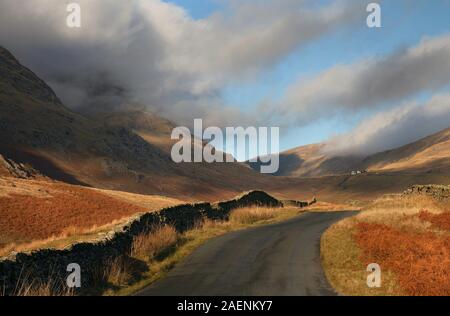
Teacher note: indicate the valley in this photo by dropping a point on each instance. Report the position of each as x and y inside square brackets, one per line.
[77, 177]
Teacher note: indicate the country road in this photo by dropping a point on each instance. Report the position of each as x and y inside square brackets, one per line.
[274, 260]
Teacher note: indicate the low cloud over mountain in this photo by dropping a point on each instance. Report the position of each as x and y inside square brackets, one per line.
[153, 52]
[394, 128]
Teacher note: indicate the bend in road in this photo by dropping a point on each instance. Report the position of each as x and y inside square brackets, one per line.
[273, 260]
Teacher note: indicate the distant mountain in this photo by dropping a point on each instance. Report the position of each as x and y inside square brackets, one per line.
[310, 161]
[430, 154]
[127, 150]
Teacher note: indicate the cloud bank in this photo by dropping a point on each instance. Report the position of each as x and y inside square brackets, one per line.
[153, 52]
[368, 83]
[394, 128]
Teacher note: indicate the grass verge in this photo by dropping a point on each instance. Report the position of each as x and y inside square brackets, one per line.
[405, 235]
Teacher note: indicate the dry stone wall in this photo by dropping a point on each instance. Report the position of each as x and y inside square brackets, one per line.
[439, 192]
[92, 257]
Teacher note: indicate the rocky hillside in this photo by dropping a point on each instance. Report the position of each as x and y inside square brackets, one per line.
[127, 150]
[9, 168]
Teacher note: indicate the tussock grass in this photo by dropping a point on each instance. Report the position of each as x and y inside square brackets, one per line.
[48, 288]
[146, 250]
[148, 245]
[36, 287]
[117, 272]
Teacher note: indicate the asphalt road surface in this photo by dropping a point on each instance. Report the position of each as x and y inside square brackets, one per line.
[274, 260]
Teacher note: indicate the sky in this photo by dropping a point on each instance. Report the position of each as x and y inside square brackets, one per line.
[404, 24]
[313, 68]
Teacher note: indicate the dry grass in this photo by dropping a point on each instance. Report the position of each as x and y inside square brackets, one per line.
[69, 236]
[420, 261]
[51, 287]
[342, 265]
[440, 221]
[146, 252]
[251, 215]
[149, 202]
[34, 214]
[149, 245]
[401, 211]
[411, 245]
[116, 272]
[29, 218]
[322, 206]
[48, 288]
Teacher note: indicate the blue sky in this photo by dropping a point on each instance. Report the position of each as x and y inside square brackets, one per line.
[405, 23]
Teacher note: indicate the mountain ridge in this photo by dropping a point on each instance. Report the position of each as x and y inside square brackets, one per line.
[428, 154]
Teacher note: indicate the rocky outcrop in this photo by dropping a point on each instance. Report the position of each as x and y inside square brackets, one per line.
[18, 170]
[45, 264]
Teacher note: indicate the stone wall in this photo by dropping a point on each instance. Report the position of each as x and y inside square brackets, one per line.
[92, 257]
[439, 192]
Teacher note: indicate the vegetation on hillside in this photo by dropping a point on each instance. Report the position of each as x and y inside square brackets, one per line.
[35, 214]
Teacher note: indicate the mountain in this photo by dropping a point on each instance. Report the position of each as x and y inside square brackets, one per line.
[310, 161]
[427, 155]
[127, 150]
[430, 154]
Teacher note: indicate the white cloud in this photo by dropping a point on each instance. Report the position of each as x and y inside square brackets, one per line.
[367, 83]
[394, 128]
